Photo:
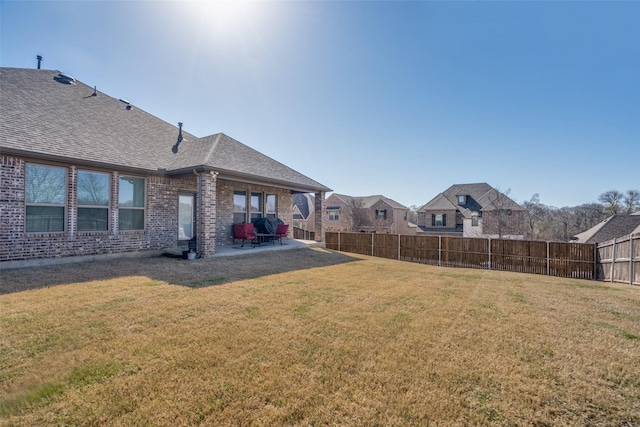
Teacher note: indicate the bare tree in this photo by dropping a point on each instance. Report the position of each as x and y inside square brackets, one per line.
[502, 209]
[612, 200]
[631, 201]
[359, 214]
[413, 214]
[565, 218]
[586, 216]
[535, 213]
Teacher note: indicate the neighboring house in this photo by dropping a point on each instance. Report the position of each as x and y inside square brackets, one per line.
[472, 210]
[304, 214]
[83, 173]
[614, 227]
[369, 214]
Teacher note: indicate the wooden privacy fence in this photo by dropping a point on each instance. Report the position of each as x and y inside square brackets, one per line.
[577, 260]
[619, 260]
[300, 234]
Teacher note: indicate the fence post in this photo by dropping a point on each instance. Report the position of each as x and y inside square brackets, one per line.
[372, 234]
[489, 243]
[613, 259]
[596, 252]
[631, 273]
[398, 247]
[439, 251]
[338, 240]
[548, 260]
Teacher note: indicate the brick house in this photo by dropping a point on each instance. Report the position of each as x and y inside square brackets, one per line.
[368, 214]
[472, 210]
[83, 173]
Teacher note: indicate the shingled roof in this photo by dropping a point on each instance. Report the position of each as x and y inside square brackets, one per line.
[45, 117]
[480, 197]
[611, 228]
[369, 201]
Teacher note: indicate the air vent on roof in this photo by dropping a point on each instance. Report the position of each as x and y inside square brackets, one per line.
[64, 78]
[125, 102]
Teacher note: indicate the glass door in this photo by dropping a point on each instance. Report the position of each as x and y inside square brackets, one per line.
[186, 217]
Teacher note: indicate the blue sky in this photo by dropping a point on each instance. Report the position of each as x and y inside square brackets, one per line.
[400, 98]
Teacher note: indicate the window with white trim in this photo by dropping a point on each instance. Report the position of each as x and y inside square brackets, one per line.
[438, 220]
[334, 213]
[131, 198]
[45, 194]
[93, 201]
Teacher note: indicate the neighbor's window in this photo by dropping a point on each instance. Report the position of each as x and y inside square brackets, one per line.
[239, 206]
[271, 206]
[474, 220]
[462, 200]
[45, 192]
[256, 206]
[381, 214]
[502, 217]
[131, 203]
[93, 201]
[334, 215]
[439, 220]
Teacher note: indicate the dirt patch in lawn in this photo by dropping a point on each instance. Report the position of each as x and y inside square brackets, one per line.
[198, 273]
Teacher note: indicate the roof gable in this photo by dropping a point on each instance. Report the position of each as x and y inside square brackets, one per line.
[480, 197]
[440, 202]
[369, 201]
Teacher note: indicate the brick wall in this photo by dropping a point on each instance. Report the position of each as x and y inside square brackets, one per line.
[514, 225]
[225, 188]
[161, 216]
[424, 218]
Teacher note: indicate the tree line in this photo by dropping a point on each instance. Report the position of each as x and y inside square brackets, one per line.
[545, 222]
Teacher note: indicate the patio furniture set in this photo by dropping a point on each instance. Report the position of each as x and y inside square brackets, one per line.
[248, 232]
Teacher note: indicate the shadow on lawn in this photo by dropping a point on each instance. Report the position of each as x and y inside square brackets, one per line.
[194, 274]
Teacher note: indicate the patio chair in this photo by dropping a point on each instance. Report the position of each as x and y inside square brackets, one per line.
[244, 232]
[281, 232]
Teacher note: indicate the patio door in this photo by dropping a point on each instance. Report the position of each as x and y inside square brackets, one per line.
[186, 216]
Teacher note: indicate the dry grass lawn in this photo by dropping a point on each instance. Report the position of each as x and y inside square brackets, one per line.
[323, 339]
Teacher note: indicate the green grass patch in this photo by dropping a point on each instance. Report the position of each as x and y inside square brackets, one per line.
[206, 282]
[94, 372]
[35, 397]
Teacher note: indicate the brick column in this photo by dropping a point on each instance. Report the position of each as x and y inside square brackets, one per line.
[319, 207]
[206, 213]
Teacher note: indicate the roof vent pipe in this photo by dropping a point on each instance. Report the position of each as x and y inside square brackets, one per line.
[174, 149]
[39, 58]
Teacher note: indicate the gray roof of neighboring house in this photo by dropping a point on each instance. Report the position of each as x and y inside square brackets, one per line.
[480, 197]
[611, 228]
[49, 119]
[369, 201]
[305, 203]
